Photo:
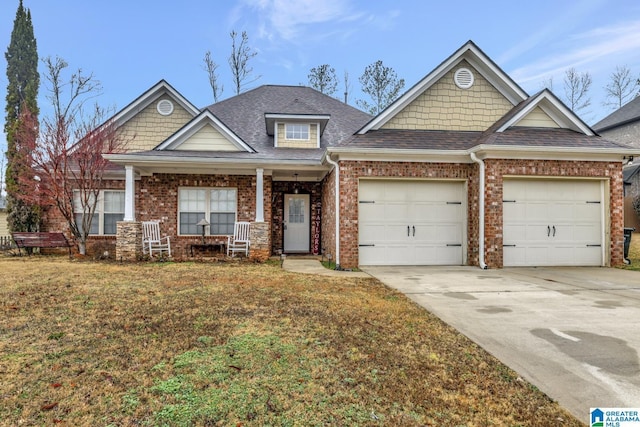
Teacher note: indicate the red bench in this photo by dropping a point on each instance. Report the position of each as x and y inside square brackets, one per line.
[40, 240]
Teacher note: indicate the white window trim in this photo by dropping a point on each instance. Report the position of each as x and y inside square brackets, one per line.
[308, 125]
[207, 210]
[100, 209]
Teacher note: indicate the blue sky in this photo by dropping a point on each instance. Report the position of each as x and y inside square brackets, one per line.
[130, 45]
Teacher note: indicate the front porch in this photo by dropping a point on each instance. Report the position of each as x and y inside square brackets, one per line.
[285, 215]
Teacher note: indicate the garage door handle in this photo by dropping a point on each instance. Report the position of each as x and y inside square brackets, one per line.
[366, 246]
[554, 231]
[414, 231]
[548, 231]
[408, 231]
[454, 244]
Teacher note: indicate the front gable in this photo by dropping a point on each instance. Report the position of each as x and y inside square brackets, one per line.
[545, 110]
[205, 133]
[449, 104]
[153, 117]
[466, 92]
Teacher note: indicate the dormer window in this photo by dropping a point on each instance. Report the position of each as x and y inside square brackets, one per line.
[297, 131]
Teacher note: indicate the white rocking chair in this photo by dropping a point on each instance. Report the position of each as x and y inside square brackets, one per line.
[239, 242]
[151, 240]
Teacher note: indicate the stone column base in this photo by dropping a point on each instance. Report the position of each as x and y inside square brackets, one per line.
[128, 241]
[260, 236]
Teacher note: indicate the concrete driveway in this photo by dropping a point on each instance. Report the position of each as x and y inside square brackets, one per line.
[572, 332]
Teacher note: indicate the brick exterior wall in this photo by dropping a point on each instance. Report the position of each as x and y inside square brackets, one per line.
[352, 171]
[158, 199]
[280, 188]
[495, 170]
[445, 106]
[52, 220]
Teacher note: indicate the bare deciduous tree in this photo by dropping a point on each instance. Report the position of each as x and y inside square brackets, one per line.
[239, 59]
[211, 67]
[323, 78]
[381, 83]
[347, 87]
[576, 89]
[621, 88]
[66, 155]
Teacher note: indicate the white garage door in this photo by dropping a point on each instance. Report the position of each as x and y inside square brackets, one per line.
[552, 222]
[411, 222]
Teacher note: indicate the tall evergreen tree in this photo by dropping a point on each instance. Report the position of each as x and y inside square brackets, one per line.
[22, 93]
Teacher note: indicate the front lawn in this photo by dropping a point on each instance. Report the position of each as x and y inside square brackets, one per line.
[97, 344]
[634, 253]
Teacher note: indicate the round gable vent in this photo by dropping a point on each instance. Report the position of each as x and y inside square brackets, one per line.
[463, 78]
[165, 107]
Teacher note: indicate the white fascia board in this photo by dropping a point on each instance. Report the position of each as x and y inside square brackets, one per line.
[151, 95]
[205, 118]
[139, 159]
[471, 54]
[555, 109]
[552, 153]
[297, 116]
[147, 167]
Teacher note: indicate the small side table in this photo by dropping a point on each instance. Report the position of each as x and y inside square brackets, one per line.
[203, 247]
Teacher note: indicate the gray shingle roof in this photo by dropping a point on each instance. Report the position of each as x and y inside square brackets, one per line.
[244, 114]
[629, 112]
[629, 172]
[548, 137]
[451, 140]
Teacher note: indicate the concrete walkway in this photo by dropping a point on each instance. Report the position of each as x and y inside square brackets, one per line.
[313, 266]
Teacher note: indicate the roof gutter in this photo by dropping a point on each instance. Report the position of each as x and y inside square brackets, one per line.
[481, 213]
[337, 203]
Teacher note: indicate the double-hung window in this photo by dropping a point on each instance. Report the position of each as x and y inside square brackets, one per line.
[217, 205]
[297, 131]
[109, 210]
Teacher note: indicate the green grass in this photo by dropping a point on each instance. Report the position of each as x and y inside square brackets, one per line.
[182, 344]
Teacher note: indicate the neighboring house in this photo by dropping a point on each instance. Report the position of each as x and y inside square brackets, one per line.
[464, 169]
[4, 226]
[623, 125]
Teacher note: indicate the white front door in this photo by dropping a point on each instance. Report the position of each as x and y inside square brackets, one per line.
[552, 222]
[297, 223]
[411, 222]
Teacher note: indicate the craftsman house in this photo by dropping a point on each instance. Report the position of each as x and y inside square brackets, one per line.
[465, 168]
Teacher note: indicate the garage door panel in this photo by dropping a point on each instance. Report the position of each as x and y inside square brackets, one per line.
[552, 222]
[441, 255]
[410, 222]
[438, 234]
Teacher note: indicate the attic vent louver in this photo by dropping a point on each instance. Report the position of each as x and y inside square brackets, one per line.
[165, 107]
[463, 78]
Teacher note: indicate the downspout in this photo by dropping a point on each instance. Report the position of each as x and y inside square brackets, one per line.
[337, 202]
[481, 213]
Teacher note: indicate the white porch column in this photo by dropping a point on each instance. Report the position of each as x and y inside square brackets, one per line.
[259, 195]
[129, 194]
